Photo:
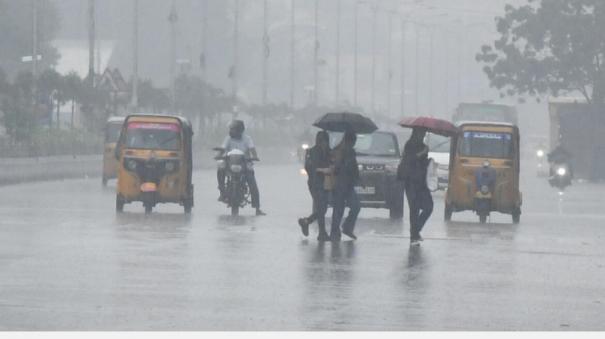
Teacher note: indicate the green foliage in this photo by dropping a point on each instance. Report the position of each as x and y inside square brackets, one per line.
[549, 47]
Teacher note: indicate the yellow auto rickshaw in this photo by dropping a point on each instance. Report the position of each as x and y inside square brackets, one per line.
[154, 162]
[112, 133]
[484, 171]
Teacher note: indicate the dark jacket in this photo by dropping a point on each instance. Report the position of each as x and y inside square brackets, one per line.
[413, 167]
[316, 158]
[346, 168]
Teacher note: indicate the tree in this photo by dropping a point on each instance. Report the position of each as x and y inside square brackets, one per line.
[549, 47]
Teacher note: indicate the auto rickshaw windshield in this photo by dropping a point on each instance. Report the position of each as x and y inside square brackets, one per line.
[112, 132]
[487, 145]
[160, 136]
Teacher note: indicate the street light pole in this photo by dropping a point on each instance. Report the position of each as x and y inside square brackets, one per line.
[355, 53]
[91, 42]
[337, 90]
[266, 51]
[389, 61]
[373, 99]
[292, 51]
[135, 57]
[403, 51]
[173, 18]
[316, 55]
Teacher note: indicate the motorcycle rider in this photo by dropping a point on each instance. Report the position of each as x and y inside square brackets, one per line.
[238, 140]
[560, 156]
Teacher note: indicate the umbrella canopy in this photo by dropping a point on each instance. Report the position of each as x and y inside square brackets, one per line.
[345, 121]
[433, 125]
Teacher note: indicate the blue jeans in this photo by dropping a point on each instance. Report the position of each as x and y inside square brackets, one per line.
[344, 197]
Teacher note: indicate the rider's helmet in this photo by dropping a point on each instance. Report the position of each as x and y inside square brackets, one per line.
[236, 129]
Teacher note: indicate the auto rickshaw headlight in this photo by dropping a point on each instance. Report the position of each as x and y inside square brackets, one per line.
[131, 165]
[305, 146]
[484, 189]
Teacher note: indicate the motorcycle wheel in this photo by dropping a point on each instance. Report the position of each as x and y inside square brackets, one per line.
[234, 211]
[516, 217]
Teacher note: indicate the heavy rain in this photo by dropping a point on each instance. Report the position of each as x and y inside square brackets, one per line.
[302, 165]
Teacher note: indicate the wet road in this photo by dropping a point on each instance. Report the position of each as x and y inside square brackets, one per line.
[68, 262]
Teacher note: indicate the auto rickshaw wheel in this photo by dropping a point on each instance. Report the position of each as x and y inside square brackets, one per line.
[187, 206]
[516, 217]
[119, 204]
[148, 208]
[448, 212]
[104, 182]
[483, 218]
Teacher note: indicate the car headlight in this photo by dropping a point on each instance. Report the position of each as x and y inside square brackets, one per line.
[484, 189]
[131, 165]
[236, 168]
[561, 171]
[305, 146]
[540, 153]
[391, 168]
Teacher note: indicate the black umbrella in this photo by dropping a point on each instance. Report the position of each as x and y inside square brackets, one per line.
[345, 121]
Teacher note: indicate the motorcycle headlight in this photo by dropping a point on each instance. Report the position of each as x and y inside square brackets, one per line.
[236, 168]
[561, 171]
[305, 146]
[540, 153]
[131, 165]
[484, 189]
[221, 164]
[360, 167]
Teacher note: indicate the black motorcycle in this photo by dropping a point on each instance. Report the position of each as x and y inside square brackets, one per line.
[560, 175]
[236, 165]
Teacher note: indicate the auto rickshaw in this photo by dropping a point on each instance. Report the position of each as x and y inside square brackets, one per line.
[154, 162]
[484, 171]
[112, 133]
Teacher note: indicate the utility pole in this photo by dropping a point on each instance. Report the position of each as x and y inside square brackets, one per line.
[431, 63]
[266, 51]
[35, 53]
[316, 55]
[416, 72]
[173, 18]
[373, 101]
[337, 89]
[403, 51]
[135, 57]
[355, 53]
[292, 51]
[91, 42]
[389, 61]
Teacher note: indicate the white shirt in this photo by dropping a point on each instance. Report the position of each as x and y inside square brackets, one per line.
[245, 144]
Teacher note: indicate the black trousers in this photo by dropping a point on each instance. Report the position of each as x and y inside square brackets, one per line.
[250, 180]
[344, 197]
[420, 202]
[320, 207]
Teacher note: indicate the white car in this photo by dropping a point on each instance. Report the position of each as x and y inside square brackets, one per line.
[439, 150]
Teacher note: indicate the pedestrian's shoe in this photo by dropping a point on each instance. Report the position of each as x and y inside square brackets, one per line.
[350, 234]
[304, 226]
[420, 238]
[323, 236]
[222, 197]
[335, 237]
[259, 212]
[415, 242]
